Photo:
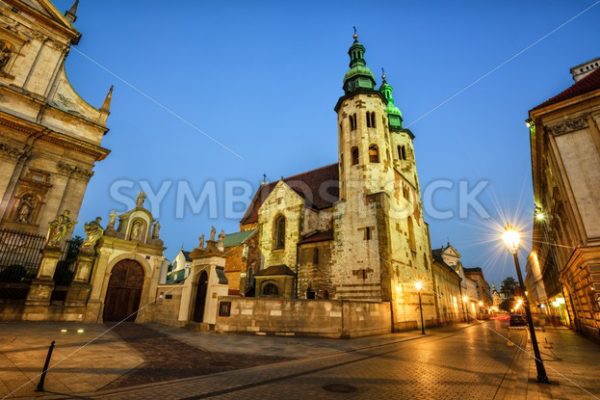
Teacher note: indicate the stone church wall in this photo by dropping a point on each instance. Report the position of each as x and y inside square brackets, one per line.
[323, 318]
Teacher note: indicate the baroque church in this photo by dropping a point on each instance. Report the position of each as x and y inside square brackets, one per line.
[353, 230]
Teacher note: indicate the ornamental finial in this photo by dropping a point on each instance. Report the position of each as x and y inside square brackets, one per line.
[383, 75]
[355, 36]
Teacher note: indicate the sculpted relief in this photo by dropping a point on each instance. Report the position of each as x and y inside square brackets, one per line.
[5, 53]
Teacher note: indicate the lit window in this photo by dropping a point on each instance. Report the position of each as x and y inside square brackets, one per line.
[373, 154]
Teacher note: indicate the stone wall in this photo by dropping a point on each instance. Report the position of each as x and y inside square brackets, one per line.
[168, 302]
[324, 318]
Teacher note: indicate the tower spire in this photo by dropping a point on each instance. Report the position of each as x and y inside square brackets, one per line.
[71, 13]
[359, 76]
[393, 112]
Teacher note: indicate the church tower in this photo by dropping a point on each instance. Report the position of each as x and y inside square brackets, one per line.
[381, 242]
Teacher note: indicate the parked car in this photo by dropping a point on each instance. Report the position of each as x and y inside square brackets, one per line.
[517, 320]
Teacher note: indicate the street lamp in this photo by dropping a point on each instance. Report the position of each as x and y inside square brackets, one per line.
[512, 240]
[419, 286]
[466, 304]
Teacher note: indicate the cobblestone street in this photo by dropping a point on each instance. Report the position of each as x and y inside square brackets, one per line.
[475, 362]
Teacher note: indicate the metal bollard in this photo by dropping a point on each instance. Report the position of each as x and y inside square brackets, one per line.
[40, 385]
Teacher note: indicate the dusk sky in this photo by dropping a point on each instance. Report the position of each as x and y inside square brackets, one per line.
[261, 79]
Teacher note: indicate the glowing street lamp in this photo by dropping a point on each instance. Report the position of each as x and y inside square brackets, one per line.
[419, 287]
[512, 240]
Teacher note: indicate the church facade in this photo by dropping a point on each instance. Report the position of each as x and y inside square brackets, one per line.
[51, 137]
[353, 230]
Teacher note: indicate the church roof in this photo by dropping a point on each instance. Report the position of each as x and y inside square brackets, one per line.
[275, 270]
[320, 236]
[237, 238]
[318, 187]
[583, 86]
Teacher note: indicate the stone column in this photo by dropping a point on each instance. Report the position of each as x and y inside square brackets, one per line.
[79, 290]
[37, 305]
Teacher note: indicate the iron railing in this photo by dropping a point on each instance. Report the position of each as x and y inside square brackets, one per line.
[20, 255]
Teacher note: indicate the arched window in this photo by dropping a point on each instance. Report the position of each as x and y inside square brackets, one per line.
[402, 152]
[279, 233]
[354, 155]
[373, 154]
[352, 119]
[270, 289]
[371, 119]
[411, 235]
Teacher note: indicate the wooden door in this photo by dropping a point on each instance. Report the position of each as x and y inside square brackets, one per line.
[124, 291]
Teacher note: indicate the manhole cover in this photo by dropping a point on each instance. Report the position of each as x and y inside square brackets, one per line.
[220, 363]
[340, 388]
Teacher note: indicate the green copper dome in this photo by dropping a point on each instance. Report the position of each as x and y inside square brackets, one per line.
[394, 114]
[359, 76]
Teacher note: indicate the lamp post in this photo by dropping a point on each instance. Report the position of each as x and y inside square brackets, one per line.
[419, 286]
[466, 304]
[512, 240]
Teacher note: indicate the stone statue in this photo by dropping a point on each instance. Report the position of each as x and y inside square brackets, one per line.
[222, 236]
[58, 229]
[93, 232]
[25, 209]
[201, 242]
[156, 230]
[139, 202]
[4, 54]
[112, 219]
[213, 233]
[136, 231]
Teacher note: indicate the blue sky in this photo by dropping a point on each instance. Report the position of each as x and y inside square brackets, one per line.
[262, 78]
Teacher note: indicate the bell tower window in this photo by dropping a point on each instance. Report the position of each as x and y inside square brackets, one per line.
[355, 155]
[402, 152]
[352, 119]
[373, 154]
[371, 119]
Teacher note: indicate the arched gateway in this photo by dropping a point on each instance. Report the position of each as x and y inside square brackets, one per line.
[124, 291]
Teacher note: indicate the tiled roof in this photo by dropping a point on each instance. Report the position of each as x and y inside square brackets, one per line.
[237, 238]
[585, 85]
[319, 188]
[275, 270]
[317, 237]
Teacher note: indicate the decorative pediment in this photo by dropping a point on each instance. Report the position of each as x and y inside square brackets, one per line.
[569, 125]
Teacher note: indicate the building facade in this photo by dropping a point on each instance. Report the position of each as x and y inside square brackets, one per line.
[353, 230]
[565, 152]
[51, 137]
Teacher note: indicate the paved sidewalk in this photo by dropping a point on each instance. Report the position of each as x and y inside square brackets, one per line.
[76, 365]
[572, 363]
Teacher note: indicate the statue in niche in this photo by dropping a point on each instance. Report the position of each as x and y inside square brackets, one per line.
[25, 209]
[136, 231]
[141, 197]
[4, 54]
[58, 229]
[213, 233]
[93, 232]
